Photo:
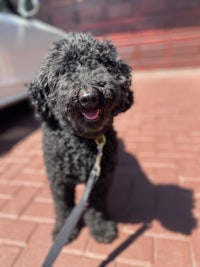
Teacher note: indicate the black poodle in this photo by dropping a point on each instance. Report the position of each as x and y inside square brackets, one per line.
[81, 86]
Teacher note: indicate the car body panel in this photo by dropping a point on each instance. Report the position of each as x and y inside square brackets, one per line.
[23, 45]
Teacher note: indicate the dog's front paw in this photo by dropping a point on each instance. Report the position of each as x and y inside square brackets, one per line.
[105, 232]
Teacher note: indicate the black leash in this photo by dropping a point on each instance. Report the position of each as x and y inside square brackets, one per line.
[72, 220]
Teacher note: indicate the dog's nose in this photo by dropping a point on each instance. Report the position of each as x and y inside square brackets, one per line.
[89, 99]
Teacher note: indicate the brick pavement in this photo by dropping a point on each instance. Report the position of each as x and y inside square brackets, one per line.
[155, 196]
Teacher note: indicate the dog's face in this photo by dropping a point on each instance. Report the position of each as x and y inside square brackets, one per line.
[82, 84]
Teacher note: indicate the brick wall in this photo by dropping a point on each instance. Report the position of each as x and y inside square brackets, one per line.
[149, 33]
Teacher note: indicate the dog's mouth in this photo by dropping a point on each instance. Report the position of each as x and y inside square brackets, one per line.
[91, 115]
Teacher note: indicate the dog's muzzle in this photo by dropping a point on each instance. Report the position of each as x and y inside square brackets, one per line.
[89, 101]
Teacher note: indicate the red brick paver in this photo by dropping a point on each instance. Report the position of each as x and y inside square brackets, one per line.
[155, 196]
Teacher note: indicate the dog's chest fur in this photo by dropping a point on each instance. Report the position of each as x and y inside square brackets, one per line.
[74, 155]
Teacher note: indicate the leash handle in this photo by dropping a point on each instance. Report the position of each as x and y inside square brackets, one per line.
[72, 220]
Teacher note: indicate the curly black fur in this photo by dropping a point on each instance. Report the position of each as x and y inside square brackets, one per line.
[81, 86]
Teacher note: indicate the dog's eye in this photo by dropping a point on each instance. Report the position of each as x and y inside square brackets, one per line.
[102, 83]
[62, 71]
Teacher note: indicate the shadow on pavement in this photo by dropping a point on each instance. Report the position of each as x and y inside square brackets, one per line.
[134, 199]
[16, 123]
[139, 200]
[124, 245]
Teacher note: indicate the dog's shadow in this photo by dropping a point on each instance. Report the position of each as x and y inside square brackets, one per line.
[135, 199]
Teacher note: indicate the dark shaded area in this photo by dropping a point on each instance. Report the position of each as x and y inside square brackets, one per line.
[7, 5]
[17, 122]
[134, 199]
[140, 201]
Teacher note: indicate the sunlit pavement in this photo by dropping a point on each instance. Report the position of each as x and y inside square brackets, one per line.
[155, 196]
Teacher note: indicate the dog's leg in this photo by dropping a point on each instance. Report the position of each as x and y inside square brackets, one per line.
[103, 230]
[63, 195]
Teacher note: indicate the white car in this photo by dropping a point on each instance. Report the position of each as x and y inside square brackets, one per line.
[23, 45]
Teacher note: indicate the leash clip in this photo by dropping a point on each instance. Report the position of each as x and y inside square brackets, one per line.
[100, 141]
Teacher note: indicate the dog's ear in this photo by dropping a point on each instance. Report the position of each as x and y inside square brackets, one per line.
[123, 79]
[121, 73]
[38, 90]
